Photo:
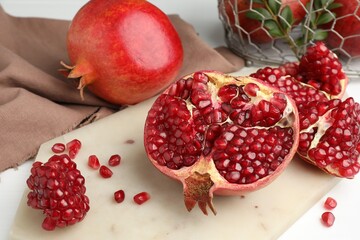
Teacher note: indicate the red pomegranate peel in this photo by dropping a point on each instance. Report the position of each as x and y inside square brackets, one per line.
[207, 131]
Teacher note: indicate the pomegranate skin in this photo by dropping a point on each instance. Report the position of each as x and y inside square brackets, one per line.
[123, 51]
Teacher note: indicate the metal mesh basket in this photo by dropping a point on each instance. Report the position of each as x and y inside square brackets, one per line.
[249, 33]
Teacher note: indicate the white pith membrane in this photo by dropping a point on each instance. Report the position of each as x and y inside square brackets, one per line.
[202, 178]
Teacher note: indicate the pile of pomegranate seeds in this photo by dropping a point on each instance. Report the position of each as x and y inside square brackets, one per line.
[58, 188]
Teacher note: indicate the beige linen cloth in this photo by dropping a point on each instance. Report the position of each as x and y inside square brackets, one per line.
[37, 103]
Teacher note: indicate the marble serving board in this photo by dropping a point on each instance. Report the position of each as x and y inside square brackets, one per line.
[264, 214]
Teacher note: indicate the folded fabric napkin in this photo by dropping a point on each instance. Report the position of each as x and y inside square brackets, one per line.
[37, 103]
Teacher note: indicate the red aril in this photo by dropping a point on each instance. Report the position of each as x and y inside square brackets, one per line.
[119, 196]
[73, 147]
[58, 148]
[114, 160]
[328, 219]
[105, 172]
[330, 203]
[123, 51]
[93, 162]
[141, 198]
[220, 135]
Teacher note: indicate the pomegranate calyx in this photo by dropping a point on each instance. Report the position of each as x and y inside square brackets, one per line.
[81, 71]
[197, 189]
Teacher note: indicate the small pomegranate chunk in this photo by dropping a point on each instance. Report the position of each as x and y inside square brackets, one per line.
[114, 160]
[142, 197]
[73, 147]
[119, 196]
[93, 162]
[58, 148]
[58, 189]
[328, 219]
[105, 172]
[330, 203]
[329, 127]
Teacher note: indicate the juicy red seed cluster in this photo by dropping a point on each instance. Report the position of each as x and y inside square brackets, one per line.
[57, 187]
[321, 67]
[245, 155]
[141, 198]
[177, 136]
[171, 138]
[300, 93]
[312, 111]
[339, 146]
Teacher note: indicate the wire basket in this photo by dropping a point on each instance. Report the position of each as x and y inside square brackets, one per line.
[271, 32]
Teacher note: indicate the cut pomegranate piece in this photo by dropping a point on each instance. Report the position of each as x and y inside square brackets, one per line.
[114, 160]
[329, 127]
[221, 135]
[119, 196]
[93, 162]
[328, 219]
[105, 172]
[330, 203]
[58, 148]
[142, 197]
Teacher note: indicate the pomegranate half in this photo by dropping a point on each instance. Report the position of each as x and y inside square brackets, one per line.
[123, 51]
[221, 135]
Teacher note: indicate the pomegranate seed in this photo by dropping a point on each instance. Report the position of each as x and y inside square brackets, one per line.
[49, 224]
[114, 160]
[328, 219]
[73, 146]
[58, 148]
[330, 203]
[142, 197]
[93, 162]
[119, 196]
[105, 172]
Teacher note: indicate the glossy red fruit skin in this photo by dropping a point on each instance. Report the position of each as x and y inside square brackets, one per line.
[124, 51]
[347, 26]
[252, 26]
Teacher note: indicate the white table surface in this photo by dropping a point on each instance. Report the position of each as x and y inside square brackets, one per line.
[203, 15]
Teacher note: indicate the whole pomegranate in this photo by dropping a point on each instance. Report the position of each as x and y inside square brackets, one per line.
[252, 29]
[345, 33]
[123, 51]
[221, 135]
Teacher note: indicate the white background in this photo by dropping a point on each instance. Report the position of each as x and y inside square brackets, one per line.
[203, 15]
